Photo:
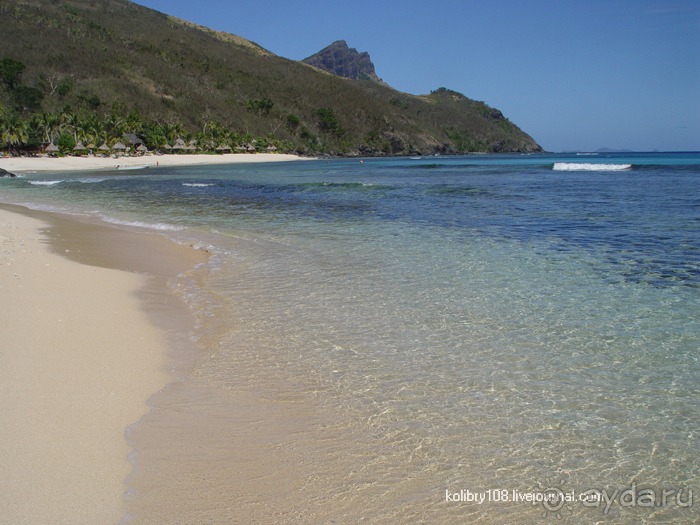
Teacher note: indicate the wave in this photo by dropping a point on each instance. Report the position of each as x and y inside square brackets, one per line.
[574, 166]
[92, 180]
[196, 184]
[44, 182]
[141, 224]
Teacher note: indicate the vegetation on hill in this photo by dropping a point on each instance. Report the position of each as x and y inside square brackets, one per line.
[97, 69]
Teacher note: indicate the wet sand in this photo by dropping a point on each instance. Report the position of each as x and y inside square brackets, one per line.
[83, 347]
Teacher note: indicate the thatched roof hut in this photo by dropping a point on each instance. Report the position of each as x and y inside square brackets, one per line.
[51, 148]
[240, 148]
[271, 149]
[132, 139]
[79, 147]
[90, 146]
[251, 148]
[104, 147]
[119, 146]
[224, 147]
[142, 148]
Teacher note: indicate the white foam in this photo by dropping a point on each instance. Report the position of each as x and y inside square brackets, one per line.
[196, 184]
[573, 166]
[44, 182]
[92, 180]
[141, 224]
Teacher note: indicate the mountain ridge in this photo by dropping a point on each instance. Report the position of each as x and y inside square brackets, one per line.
[343, 61]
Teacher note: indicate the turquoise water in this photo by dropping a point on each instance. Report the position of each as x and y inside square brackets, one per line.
[458, 325]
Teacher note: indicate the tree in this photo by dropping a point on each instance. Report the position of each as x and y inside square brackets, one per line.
[49, 124]
[292, 123]
[65, 142]
[74, 124]
[10, 71]
[154, 139]
[133, 121]
[13, 132]
[262, 106]
[328, 122]
[27, 98]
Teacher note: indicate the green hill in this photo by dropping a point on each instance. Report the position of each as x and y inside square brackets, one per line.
[127, 68]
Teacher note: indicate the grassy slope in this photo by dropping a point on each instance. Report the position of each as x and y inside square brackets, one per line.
[174, 70]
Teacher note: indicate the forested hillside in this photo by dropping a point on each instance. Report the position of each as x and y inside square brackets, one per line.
[96, 69]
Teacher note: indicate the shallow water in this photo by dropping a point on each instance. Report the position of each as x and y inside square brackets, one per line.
[379, 338]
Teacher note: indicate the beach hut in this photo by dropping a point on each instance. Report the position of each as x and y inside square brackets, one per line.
[51, 148]
[240, 148]
[271, 149]
[179, 145]
[142, 148]
[223, 148]
[250, 148]
[90, 146]
[104, 147]
[119, 148]
[79, 147]
[132, 140]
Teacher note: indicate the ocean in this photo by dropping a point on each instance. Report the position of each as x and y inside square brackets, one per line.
[481, 339]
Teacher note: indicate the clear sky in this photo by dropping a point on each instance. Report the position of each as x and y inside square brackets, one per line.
[575, 75]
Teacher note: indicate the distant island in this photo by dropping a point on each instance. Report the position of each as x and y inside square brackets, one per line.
[600, 150]
[81, 72]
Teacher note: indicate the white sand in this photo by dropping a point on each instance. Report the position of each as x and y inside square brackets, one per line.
[90, 163]
[78, 359]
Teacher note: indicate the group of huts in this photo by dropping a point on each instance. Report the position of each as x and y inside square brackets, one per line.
[135, 144]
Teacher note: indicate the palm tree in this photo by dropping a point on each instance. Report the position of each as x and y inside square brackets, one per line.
[92, 128]
[14, 131]
[50, 123]
[175, 131]
[35, 129]
[133, 122]
[115, 126]
[75, 125]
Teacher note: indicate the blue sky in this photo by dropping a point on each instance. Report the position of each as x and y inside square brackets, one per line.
[574, 75]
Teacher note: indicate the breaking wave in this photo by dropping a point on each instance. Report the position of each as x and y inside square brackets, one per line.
[573, 166]
[141, 224]
[44, 182]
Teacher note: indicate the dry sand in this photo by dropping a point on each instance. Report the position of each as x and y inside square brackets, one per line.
[19, 165]
[78, 360]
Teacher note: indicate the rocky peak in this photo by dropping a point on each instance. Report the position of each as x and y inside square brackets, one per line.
[343, 61]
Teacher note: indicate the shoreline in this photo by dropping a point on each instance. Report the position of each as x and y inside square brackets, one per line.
[18, 165]
[87, 340]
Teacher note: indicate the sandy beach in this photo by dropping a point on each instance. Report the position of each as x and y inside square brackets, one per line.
[19, 165]
[80, 357]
